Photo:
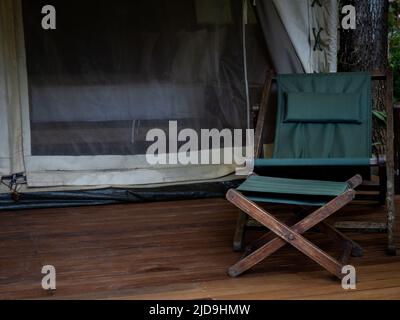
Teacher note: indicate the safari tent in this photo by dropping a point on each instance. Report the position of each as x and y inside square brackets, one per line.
[75, 111]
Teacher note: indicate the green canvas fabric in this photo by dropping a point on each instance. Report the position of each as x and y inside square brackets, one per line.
[323, 120]
[316, 162]
[322, 107]
[299, 202]
[272, 185]
[291, 191]
[310, 140]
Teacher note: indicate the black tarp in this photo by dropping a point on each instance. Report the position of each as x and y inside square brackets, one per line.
[59, 199]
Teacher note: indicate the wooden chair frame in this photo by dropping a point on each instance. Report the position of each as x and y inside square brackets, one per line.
[386, 168]
[281, 233]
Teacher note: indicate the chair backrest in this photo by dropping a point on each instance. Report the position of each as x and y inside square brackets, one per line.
[324, 116]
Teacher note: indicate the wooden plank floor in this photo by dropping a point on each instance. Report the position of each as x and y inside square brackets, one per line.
[171, 250]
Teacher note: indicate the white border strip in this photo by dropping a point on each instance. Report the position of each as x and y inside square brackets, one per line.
[128, 177]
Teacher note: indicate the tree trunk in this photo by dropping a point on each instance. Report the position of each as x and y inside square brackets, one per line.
[366, 49]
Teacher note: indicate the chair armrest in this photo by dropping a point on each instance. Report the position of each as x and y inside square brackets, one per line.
[327, 162]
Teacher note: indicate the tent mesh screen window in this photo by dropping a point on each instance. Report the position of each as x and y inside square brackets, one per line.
[113, 70]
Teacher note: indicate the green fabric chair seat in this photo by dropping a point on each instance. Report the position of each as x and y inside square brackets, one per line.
[293, 186]
[291, 191]
[299, 202]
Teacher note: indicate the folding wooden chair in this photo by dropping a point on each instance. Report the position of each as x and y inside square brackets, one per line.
[324, 131]
[329, 196]
[324, 128]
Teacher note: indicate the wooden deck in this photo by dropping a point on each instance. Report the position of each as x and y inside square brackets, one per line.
[172, 250]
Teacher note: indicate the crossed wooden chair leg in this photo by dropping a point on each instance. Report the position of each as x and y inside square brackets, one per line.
[282, 234]
[348, 246]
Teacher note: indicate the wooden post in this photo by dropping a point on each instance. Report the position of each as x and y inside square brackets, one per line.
[396, 124]
[238, 239]
[391, 210]
[262, 114]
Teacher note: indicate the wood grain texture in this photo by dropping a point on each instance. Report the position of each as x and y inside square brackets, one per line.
[262, 114]
[390, 191]
[287, 234]
[174, 250]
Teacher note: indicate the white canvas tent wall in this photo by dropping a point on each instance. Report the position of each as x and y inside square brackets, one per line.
[300, 20]
[293, 20]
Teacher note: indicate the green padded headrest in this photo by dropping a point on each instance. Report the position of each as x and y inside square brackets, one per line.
[322, 107]
[324, 115]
